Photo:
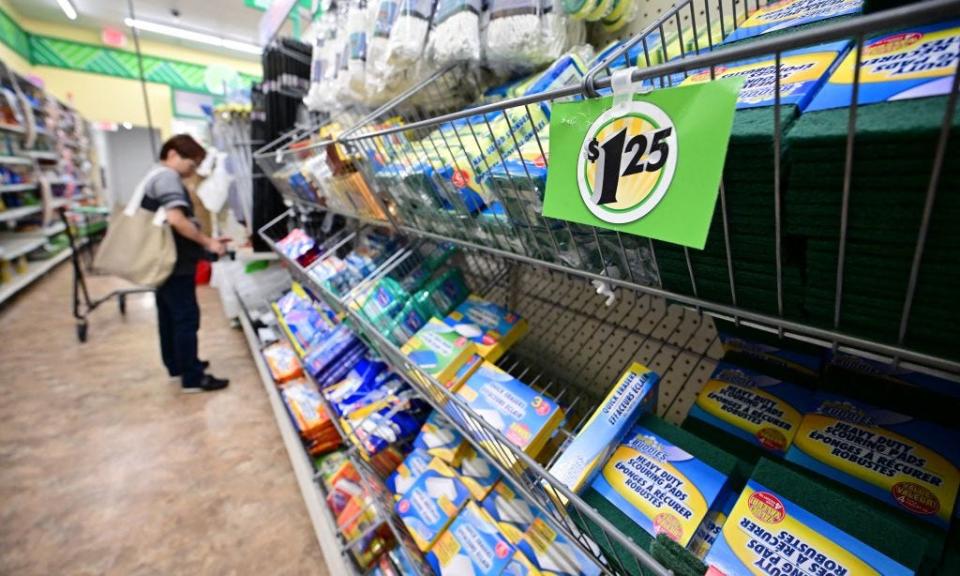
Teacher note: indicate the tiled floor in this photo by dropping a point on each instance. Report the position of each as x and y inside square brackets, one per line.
[106, 468]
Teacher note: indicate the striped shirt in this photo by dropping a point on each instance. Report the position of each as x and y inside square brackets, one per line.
[167, 190]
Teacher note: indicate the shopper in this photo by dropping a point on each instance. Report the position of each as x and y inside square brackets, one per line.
[177, 310]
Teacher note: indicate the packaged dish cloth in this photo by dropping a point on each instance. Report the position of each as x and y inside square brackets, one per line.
[455, 32]
[524, 416]
[524, 33]
[792, 13]
[408, 37]
[759, 409]
[471, 545]
[905, 462]
[767, 533]
[432, 503]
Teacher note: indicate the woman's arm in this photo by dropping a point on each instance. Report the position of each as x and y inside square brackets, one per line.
[185, 227]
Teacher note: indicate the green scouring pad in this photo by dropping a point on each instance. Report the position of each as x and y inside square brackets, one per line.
[908, 541]
[674, 556]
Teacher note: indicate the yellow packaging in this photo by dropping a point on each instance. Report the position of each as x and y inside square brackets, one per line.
[438, 350]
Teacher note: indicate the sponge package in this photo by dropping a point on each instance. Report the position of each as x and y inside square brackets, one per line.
[769, 534]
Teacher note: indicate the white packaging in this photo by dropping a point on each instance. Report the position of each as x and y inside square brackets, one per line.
[357, 27]
[408, 38]
[455, 32]
[526, 33]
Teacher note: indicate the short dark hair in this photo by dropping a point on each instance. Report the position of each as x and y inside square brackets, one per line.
[185, 146]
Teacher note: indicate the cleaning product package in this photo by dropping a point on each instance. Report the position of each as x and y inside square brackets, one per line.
[384, 424]
[477, 474]
[791, 13]
[634, 394]
[439, 350]
[464, 373]
[524, 416]
[407, 472]
[552, 553]
[848, 367]
[907, 463]
[911, 63]
[769, 534]
[432, 503]
[439, 439]
[760, 409]
[471, 545]
[282, 361]
[802, 72]
[659, 486]
[509, 510]
[491, 327]
[770, 357]
[710, 528]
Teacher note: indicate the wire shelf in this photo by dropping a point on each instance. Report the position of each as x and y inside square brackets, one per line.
[492, 200]
[576, 371]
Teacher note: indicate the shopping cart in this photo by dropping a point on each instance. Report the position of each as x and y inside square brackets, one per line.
[83, 304]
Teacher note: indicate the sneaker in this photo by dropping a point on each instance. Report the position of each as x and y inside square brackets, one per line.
[203, 363]
[207, 384]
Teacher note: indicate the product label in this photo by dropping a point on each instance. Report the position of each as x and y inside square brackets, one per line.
[649, 165]
[431, 503]
[803, 363]
[472, 545]
[417, 8]
[659, 486]
[801, 73]
[768, 535]
[386, 15]
[913, 63]
[447, 8]
[763, 410]
[790, 13]
[887, 455]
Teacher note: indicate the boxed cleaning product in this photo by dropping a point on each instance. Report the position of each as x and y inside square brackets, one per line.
[634, 394]
[710, 528]
[464, 373]
[493, 328]
[471, 545]
[659, 486]
[912, 63]
[431, 503]
[767, 533]
[907, 463]
[407, 472]
[524, 416]
[754, 407]
[792, 13]
[509, 510]
[847, 367]
[438, 350]
[439, 439]
[553, 553]
[477, 474]
[766, 353]
[520, 565]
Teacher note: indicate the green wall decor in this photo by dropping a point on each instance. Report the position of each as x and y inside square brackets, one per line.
[82, 57]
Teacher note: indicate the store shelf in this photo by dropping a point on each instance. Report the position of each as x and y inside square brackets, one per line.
[58, 203]
[14, 214]
[14, 245]
[42, 155]
[14, 128]
[324, 524]
[576, 348]
[15, 161]
[35, 270]
[18, 187]
[54, 229]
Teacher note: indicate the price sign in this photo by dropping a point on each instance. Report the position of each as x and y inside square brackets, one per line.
[649, 166]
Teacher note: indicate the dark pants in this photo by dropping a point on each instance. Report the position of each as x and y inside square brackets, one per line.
[178, 316]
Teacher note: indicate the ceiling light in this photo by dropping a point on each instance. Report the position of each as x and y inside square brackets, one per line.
[68, 9]
[191, 35]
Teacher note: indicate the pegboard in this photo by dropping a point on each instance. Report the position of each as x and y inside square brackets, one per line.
[578, 346]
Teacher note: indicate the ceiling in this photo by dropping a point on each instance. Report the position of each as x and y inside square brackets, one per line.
[226, 18]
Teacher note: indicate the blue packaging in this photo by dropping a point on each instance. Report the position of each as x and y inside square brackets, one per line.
[790, 13]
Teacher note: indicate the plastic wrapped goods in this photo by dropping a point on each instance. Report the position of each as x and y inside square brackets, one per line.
[527, 33]
[455, 32]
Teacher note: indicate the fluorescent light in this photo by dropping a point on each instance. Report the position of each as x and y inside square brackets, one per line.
[68, 9]
[191, 35]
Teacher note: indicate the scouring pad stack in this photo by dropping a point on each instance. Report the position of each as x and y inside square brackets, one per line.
[894, 148]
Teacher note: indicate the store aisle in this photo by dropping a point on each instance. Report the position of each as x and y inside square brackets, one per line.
[106, 468]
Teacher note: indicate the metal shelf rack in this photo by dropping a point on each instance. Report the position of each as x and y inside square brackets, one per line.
[546, 270]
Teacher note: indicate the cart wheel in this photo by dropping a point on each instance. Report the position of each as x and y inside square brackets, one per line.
[122, 302]
[82, 331]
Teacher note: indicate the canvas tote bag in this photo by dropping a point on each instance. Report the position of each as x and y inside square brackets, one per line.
[139, 244]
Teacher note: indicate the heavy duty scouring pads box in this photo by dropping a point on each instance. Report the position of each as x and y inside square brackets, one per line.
[792, 14]
[769, 533]
[901, 105]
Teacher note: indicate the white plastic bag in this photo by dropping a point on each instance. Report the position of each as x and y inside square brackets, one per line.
[215, 189]
[455, 32]
[524, 34]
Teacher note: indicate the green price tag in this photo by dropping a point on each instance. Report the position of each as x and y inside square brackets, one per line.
[648, 166]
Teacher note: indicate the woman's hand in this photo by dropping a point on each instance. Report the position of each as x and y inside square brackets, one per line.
[217, 246]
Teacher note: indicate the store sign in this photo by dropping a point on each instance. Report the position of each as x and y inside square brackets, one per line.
[649, 165]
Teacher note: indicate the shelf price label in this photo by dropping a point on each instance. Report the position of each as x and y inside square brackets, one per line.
[649, 166]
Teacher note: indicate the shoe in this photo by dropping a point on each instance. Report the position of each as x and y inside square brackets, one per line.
[203, 364]
[209, 383]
